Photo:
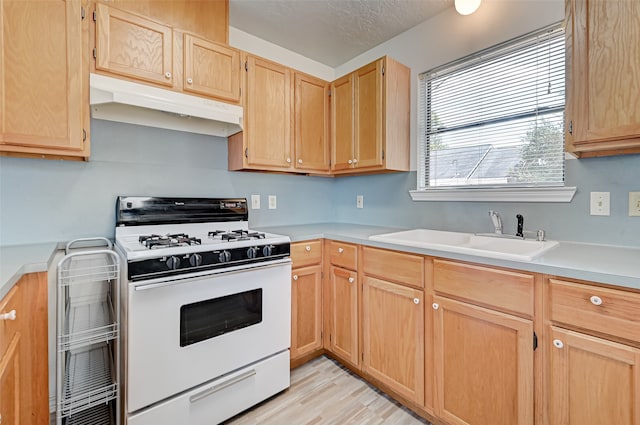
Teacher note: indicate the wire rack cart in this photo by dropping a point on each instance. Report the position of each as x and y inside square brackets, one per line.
[88, 329]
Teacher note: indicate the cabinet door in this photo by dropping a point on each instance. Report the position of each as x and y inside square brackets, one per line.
[133, 46]
[10, 397]
[344, 314]
[306, 311]
[393, 336]
[603, 59]
[592, 381]
[211, 69]
[267, 115]
[342, 111]
[484, 365]
[44, 78]
[368, 115]
[311, 122]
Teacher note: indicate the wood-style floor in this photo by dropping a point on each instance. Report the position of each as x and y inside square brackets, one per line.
[321, 393]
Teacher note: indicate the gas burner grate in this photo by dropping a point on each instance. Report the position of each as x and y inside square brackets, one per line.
[164, 241]
[236, 235]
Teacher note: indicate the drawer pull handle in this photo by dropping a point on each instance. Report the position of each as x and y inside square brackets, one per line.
[416, 300]
[340, 250]
[435, 306]
[8, 316]
[295, 277]
[351, 280]
[222, 386]
[308, 248]
[595, 300]
[557, 343]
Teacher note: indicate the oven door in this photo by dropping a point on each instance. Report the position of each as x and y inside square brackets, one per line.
[183, 332]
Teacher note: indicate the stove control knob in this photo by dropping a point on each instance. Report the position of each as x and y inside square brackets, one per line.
[195, 260]
[173, 262]
[224, 256]
[267, 250]
[252, 252]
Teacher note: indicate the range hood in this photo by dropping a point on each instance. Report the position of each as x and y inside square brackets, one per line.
[118, 100]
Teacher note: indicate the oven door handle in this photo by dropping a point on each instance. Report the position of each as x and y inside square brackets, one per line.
[218, 387]
[156, 285]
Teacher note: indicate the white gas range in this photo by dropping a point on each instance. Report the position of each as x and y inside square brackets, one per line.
[206, 307]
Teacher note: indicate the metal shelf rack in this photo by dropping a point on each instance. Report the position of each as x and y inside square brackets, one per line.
[88, 330]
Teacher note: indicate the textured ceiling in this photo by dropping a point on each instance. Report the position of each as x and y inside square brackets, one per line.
[330, 31]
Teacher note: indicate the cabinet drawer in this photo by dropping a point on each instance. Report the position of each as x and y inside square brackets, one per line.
[343, 255]
[608, 311]
[8, 328]
[394, 266]
[306, 253]
[501, 289]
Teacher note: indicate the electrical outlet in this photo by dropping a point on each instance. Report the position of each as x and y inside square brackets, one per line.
[634, 204]
[255, 202]
[359, 201]
[600, 203]
[272, 202]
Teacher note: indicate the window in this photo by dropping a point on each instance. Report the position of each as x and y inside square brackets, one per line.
[495, 119]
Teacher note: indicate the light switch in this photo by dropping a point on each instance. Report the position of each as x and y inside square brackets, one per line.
[600, 203]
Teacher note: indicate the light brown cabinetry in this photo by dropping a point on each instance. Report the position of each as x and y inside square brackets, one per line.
[24, 396]
[483, 354]
[593, 346]
[265, 143]
[342, 303]
[306, 299]
[603, 63]
[370, 119]
[44, 79]
[311, 124]
[393, 333]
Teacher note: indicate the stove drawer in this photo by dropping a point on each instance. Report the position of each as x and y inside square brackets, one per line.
[220, 399]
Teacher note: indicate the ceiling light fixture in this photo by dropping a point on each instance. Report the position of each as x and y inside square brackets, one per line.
[467, 7]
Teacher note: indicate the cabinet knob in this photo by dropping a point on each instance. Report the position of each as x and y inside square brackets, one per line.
[416, 300]
[557, 343]
[295, 277]
[167, 75]
[308, 247]
[351, 280]
[340, 250]
[8, 316]
[350, 161]
[355, 160]
[189, 80]
[288, 160]
[595, 300]
[435, 306]
[299, 161]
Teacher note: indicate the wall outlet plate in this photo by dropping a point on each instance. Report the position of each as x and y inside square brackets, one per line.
[600, 203]
[272, 202]
[359, 201]
[255, 202]
[634, 204]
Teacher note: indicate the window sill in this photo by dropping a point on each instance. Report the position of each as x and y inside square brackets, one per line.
[481, 194]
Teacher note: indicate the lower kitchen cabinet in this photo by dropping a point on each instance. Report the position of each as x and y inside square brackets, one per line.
[306, 311]
[483, 365]
[393, 336]
[592, 380]
[24, 394]
[343, 301]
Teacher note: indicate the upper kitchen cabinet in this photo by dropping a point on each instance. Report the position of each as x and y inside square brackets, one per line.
[370, 119]
[132, 46]
[44, 79]
[207, 19]
[603, 77]
[311, 124]
[265, 143]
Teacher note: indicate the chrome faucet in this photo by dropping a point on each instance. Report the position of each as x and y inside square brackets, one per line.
[497, 222]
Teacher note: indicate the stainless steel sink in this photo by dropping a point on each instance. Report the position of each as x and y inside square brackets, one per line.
[468, 243]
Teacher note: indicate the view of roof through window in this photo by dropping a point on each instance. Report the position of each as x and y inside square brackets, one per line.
[496, 118]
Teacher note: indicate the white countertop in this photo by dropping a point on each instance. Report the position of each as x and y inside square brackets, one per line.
[606, 264]
[17, 260]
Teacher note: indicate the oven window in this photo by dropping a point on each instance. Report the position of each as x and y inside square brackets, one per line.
[218, 316]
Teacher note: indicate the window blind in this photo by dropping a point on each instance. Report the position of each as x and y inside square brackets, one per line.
[495, 118]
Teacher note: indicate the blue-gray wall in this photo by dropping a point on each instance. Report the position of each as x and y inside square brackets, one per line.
[43, 200]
